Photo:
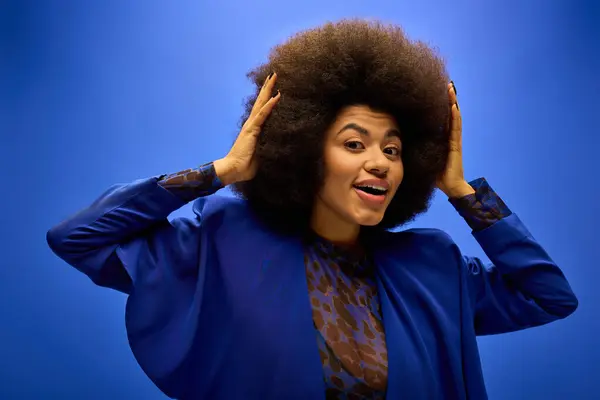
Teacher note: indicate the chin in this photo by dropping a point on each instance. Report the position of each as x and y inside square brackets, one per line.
[369, 220]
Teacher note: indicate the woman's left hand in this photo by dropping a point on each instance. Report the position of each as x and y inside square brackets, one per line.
[453, 182]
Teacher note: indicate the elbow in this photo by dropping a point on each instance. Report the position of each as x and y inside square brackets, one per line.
[568, 307]
[60, 240]
[563, 308]
[55, 237]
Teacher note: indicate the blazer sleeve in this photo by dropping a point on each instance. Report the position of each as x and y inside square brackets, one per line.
[124, 241]
[521, 288]
[107, 240]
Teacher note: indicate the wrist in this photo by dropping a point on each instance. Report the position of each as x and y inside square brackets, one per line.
[461, 190]
[225, 171]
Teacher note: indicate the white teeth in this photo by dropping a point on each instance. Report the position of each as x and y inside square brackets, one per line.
[374, 187]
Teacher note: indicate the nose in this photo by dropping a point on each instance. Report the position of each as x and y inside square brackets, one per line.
[378, 165]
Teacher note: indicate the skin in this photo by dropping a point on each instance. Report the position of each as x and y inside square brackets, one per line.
[239, 164]
[452, 182]
[361, 144]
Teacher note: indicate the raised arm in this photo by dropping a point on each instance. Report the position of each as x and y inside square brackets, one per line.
[90, 239]
[126, 230]
[522, 287]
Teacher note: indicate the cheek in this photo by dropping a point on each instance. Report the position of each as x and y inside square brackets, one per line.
[340, 169]
[397, 174]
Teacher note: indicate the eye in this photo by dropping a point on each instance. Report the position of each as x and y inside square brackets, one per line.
[392, 151]
[354, 145]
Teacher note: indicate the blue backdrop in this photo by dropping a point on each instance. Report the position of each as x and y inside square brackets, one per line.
[97, 93]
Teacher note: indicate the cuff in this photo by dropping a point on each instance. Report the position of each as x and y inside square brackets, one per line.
[483, 208]
[190, 184]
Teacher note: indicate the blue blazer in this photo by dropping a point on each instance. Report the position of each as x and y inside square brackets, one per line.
[218, 305]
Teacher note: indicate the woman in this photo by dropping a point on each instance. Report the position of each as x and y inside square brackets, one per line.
[298, 290]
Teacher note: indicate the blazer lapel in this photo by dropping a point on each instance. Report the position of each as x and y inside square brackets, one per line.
[408, 376]
[269, 289]
[284, 284]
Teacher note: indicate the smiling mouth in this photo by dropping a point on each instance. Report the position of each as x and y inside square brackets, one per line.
[372, 190]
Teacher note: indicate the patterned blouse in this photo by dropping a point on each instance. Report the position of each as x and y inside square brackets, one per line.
[343, 292]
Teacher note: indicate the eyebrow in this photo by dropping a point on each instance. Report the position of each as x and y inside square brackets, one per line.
[390, 133]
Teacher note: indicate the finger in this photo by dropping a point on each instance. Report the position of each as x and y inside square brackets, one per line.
[451, 102]
[265, 111]
[456, 129]
[264, 95]
[452, 98]
[261, 99]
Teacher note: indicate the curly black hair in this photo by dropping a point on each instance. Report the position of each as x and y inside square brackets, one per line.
[319, 72]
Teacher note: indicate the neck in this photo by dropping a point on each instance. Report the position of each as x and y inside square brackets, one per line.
[330, 226]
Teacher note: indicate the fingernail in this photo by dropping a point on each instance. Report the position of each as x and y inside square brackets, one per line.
[267, 79]
[270, 75]
[454, 87]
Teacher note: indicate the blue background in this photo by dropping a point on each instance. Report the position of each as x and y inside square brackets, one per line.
[97, 93]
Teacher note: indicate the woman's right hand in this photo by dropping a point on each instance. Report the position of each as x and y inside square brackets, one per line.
[240, 164]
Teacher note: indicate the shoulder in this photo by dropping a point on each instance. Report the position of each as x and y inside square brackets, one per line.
[218, 207]
[228, 215]
[430, 244]
[420, 237]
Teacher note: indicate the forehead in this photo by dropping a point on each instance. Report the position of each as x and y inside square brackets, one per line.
[365, 121]
[366, 116]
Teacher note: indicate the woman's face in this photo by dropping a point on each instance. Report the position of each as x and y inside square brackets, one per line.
[363, 169]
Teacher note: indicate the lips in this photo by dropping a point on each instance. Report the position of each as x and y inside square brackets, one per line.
[373, 191]
[376, 187]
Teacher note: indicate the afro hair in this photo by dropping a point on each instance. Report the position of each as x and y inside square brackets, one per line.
[319, 72]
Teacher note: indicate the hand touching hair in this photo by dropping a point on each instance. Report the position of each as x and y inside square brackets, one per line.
[322, 70]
